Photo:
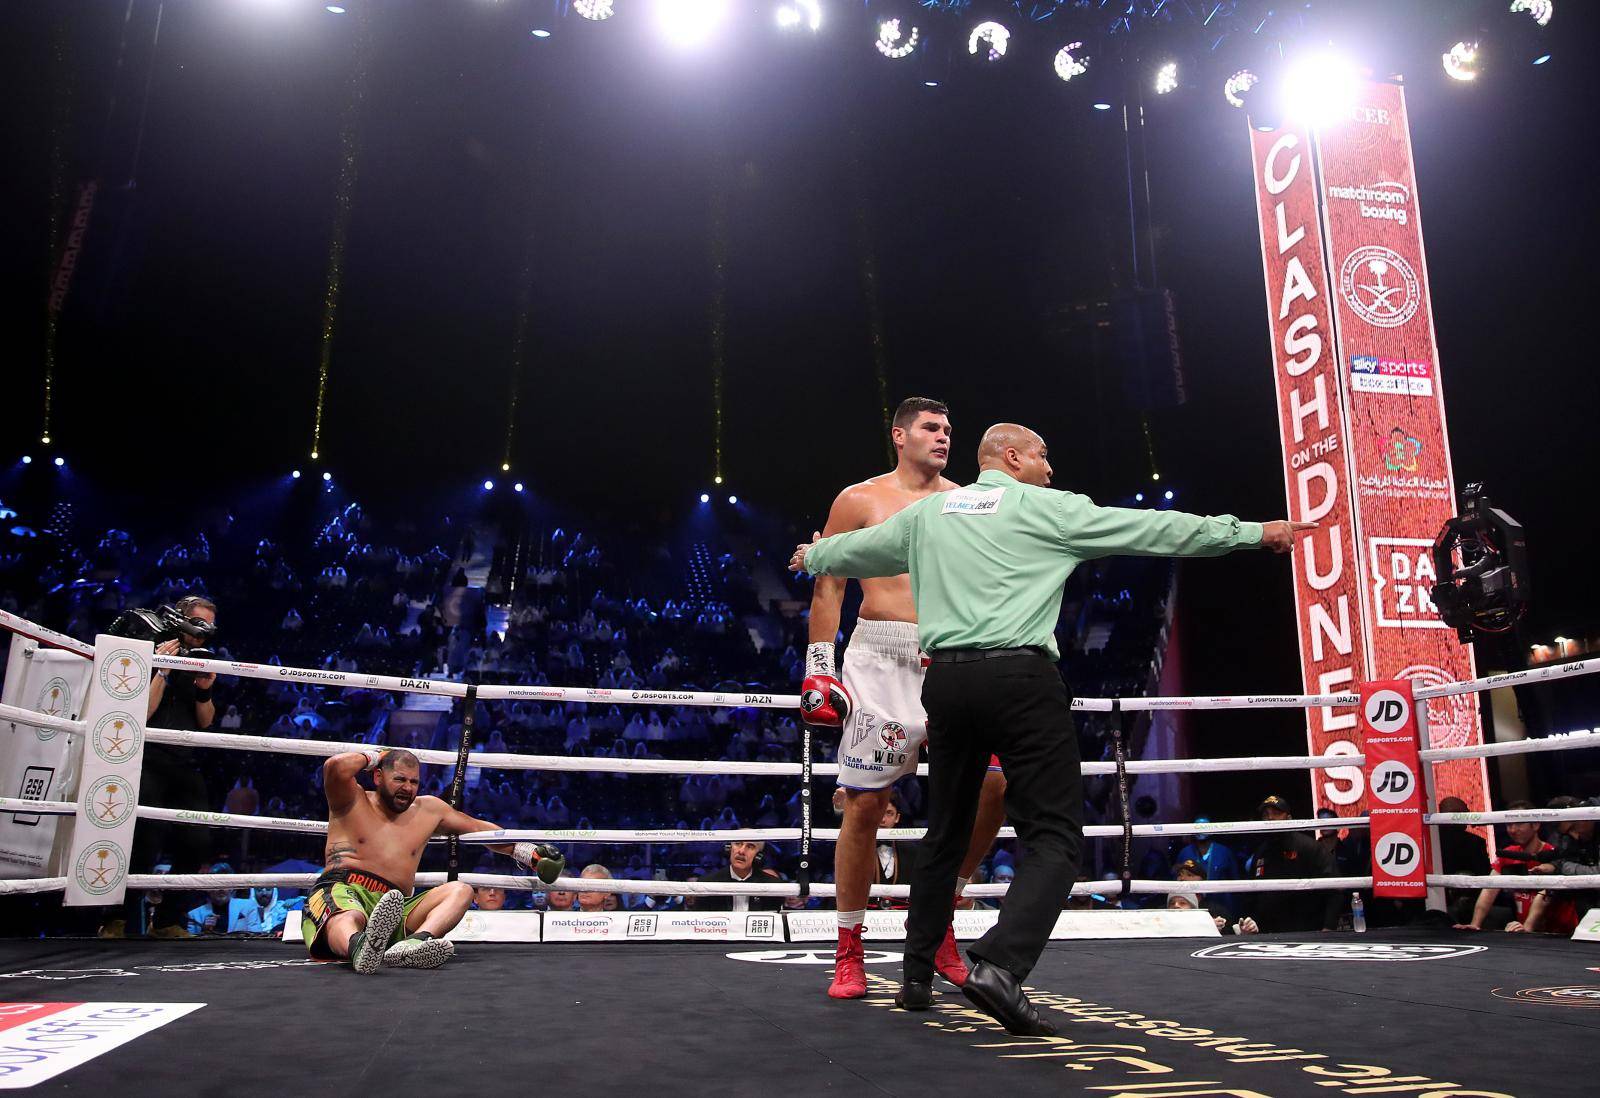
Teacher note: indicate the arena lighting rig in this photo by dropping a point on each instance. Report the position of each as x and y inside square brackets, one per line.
[1160, 47]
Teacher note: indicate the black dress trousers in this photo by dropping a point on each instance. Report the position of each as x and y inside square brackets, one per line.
[1014, 706]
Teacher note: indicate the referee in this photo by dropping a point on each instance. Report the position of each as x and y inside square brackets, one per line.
[988, 563]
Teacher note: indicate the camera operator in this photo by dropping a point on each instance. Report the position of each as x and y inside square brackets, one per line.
[171, 777]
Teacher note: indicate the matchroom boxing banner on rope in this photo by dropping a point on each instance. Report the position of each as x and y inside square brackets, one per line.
[1361, 416]
[1316, 465]
[1399, 446]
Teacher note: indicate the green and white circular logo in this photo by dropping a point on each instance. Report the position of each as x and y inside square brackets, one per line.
[124, 674]
[108, 802]
[101, 868]
[55, 700]
[117, 737]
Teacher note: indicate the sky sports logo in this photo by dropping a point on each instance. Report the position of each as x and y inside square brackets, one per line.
[1371, 374]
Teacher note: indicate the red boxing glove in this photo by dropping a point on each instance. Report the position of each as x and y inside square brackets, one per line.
[824, 702]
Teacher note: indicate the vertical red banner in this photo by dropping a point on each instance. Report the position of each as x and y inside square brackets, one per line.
[1395, 801]
[1316, 450]
[1404, 487]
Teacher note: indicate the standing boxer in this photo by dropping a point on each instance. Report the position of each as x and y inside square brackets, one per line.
[878, 705]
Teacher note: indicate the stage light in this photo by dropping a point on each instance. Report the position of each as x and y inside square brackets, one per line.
[295, 474]
[1167, 78]
[539, 32]
[60, 461]
[807, 13]
[1320, 89]
[517, 487]
[27, 459]
[690, 22]
[488, 486]
[1541, 59]
[1068, 66]
[705, 497]
[1138, 497]
[44, 440]
[717, 479]
[1155, 476]
[1541, 10]
[930, 83]
[314, 455]
[1235, 86]
[1167, 495]
[1102, 106]
[991, 34]
[327, 477]
[335, 9]
[595, 10]
[891, 44]
[1461, 62]
[505, 467]
[733, 499]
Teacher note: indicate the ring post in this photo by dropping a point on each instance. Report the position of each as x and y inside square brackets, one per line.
[1436, 898]
[458, 785]
[803, 873]
[1119, 719]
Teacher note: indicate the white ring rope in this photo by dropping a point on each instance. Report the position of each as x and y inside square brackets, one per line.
[31, 718]
[35, 631]
[1565, 741]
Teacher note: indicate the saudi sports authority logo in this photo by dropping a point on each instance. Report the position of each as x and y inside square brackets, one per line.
[124, 674]
[116, 737]
[55, 700]
[1379, 286]
[108, 802]
[101, 868]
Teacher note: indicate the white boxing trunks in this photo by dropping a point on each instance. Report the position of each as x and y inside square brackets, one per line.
[883, 671]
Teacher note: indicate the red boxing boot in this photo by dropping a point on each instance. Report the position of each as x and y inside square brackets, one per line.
[947, 962]
[849, 966]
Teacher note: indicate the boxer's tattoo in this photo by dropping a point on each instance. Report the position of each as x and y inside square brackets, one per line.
[337, 853]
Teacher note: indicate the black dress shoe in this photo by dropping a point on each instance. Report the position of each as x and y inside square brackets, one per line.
[999, 994]
[914, 995]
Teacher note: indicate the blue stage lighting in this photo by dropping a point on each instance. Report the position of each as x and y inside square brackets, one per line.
[733, 499]
[540, 33]
[517, 487]
[27, 460]
[488, 486]
[295, 474]
[60, 461]
[705, 497]
[327, 476]
[1102, 106]
[1138, 497]
[1168, 495]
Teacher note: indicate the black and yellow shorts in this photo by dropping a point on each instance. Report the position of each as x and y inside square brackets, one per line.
[345, 890]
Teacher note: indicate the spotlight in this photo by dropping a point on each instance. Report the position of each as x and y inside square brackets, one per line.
[27, 459]
[717, 479]
[889, 42]
[335, 9]
[595, 10]
[1234, 88]
[1102, 106]
[930, 83]
[327, 477]
[807, 13]
[705, 497]
[517, 487]
[1461, 62]
[295, 474]
[314, 455]
[993, 35]
[733, 499]
[1068, 66]
[60, 461]
[1541, 59]
[1155, 476]
[1167, 78]
[488, 486]
[44, 440]
[505, 467]
[1167, 495]
[539, 32]
[1541, 10]
[1138, 497]
[690, 22]
[1320, 89]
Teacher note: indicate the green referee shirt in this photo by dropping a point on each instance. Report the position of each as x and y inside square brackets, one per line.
[988, 562]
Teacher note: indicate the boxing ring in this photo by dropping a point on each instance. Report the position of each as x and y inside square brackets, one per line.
[1413, 1012]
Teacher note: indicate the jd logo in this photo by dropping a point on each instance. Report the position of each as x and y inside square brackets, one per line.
[1393, 782]
[1396, 855]
[1387, 711]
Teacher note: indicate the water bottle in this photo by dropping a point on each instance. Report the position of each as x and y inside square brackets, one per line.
[1358, 913]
